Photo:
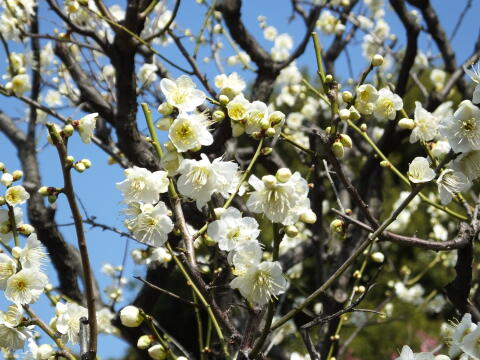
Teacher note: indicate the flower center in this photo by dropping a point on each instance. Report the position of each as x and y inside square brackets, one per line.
[469, 125]
[179, 96]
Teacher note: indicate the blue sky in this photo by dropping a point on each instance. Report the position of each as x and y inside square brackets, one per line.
[96, 187]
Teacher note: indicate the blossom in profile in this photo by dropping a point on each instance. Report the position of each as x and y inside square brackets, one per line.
[231, 229]
[451, 182]
[426, 125]
[143, 185]
[465, 327]
[190, 131]
[475, 76]
[26, 286]
[230, 85]
[86, 127]
[462, 129]
[8, 267]
[387, 105]
[419, 170]
[12, 334]
[199, 179]
[182, 93]
[33, 254]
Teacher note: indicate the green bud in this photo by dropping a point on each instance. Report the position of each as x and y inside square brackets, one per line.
[68, 130]
[291, 231]
[218, 115]
[337, 226]
[347, 96]
[223, 99]
[270, 132]
[338, 150]
[266, 151]
[346, 140]
[165, 109]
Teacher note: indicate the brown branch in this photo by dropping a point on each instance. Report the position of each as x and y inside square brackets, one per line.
[82, 245]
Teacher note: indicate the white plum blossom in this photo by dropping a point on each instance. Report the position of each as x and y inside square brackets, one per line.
[475, 76]
[19, 84]
[465, 327]
[419, 171]
[199, 179]
[230, 85]
[462, 129]
[408, 354]
[68, 320]
[8, 267]
[33, 254]
[238, 107]
[189, 132]
[104, 321]
[277, 200]
[260, 281]
[5, 227]
[86, 126]
[327, 22]
[26, 286]
[245, 255]
[451, 182]
[147, 73]
[36, 352]
[231, 229]
[469, 164]
[143, 185]
[16, 195]
[471, 344]
[367, 96]
[182, 93]
[438, 77]
[412, 295]
[426, 125]
[12, 334]
[387, 105]
[152, 224]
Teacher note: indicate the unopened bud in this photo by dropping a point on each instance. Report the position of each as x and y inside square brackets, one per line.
[378, 257]
[237, 129]
[270, 132]
[328, 129]
[276, 118]
[344, 114]
[291, 231]
[80, 167]
[405, 123]
[384, 163]
[347, 96]
[337, 149]
[69, 160]
[130, 316]
[337, 226]
[43, 191]
[283, 174]
[2, 166]
[361, 289]
[354, 113]
[346, 140]
[377, 60]
[6, 179]
[266, 151]
[68, 130]
[87, 163]
[2, 201]
[328, 78]
[16, 252]
[17, 175]
[363, 127]
[218, 115]
[264, 124]
[270, 181]
[219, 212]
[144, 341]
[165, 109]
[157, 352]
[164, 123]
[52, 199]
[223, 99]
[308, 217]
[25, 229]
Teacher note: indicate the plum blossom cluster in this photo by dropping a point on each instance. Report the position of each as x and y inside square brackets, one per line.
[462, 339]
[258, 281]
